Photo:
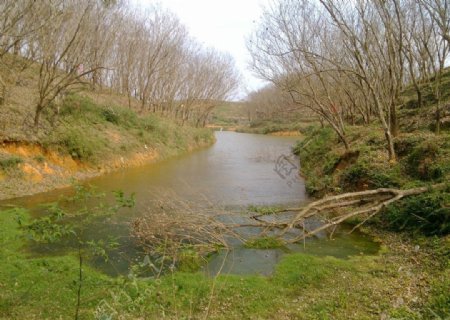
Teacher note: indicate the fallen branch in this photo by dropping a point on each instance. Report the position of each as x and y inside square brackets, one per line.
[368, 202]
[180, 225]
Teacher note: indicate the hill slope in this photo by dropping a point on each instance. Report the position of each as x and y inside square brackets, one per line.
[86, 133]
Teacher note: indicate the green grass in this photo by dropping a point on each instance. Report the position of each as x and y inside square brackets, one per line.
[264, 210]
[265, 243]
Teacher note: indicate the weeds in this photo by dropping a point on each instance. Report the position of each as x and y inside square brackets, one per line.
[91, 133]
[265, 243]
[10, 163]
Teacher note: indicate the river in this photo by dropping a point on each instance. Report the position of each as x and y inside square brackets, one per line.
[237, 171]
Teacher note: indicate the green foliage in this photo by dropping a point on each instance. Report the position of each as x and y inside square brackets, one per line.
[420, 163]
[92, 133]
[260, 126]
[264, 210]
[110, 116]
[318, 142]
[302, 286]
[317, 159]
[363, 175]
[265, 243]
[39, 158]
[300, 270]
[439, 303]
[80, 145]
[189, 260]
[55, 222]
[427, 213]
[10, 162]
[50, 228]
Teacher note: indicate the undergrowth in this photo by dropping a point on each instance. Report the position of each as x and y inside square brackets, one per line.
[90, 132]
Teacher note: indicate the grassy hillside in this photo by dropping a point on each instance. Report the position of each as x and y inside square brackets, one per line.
[414, 118]
[229, 115]
[423, 158]
[82, 134]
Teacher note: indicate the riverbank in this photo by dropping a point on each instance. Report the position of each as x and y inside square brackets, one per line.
[93, 136]
[406, 280]
[404, 227]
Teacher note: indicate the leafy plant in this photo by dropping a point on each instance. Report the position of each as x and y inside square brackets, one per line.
[110, 116]
[10, 162]
[57, 224]
[421, 162]
[428, 213]
[39, 158]
[265, 243]
[264, 210]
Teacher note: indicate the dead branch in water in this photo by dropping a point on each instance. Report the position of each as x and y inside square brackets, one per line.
[172, 225]
[177, 225]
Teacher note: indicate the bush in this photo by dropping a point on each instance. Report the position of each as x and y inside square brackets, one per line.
[421, 162]
[150, 123]
[10, 163]
[79, 144]
[363, 176]
[110, 116]
[426, 213]
[77, 106]
[39, 158]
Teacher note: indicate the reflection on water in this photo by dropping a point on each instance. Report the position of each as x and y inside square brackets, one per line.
[238, 170]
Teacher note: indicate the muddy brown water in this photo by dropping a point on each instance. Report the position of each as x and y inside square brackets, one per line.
[237, 171]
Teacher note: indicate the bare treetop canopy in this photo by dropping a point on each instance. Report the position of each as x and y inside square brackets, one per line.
[148, 56]
[346, 59]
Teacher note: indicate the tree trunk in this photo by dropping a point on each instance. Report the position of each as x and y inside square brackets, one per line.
[419, 97]
[438, 118]
[37, 115]
[390, 142]
[393, 120]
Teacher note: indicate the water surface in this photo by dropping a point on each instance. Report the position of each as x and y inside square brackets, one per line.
[237, 171]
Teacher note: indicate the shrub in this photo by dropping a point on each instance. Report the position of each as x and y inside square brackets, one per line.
[404, 146]
[79, 144]
[427, 213]
[421, 162]
[10, 163]
[76, 105]
[362, 175]
[110, 116]
[39, 158]
[189, 260]
[150, 123]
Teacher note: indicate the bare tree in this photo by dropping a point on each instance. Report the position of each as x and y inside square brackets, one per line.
[439, 11]
[62, 47]
[147, 55]
[18, 21]
[292, 49]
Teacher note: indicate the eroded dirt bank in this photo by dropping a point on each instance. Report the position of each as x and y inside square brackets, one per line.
[29, 168]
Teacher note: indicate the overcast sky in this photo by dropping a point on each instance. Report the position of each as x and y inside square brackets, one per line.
[223, 24]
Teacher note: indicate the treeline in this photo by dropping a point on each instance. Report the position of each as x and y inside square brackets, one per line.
[144, 54]
[349, 61]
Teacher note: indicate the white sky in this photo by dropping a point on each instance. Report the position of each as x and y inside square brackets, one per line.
[222, 24]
